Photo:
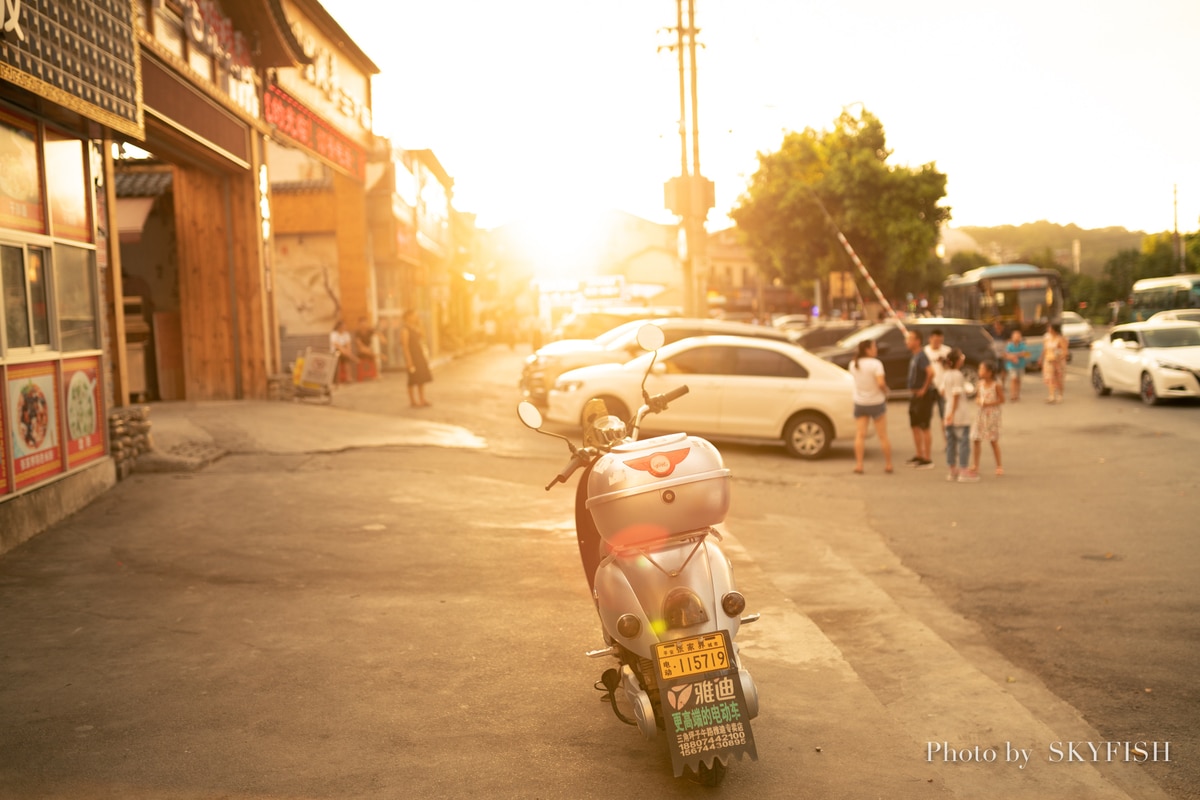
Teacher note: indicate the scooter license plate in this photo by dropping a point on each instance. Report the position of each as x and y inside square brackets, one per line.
[694, 655]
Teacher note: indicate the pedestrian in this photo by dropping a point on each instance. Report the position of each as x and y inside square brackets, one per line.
[870, 403]
[989, 396]
[920, 404]
[341, 344]
[936, 351]
[1054, 363]
[364, 348]
[957, 421]
[1016, 356]
[413, 346]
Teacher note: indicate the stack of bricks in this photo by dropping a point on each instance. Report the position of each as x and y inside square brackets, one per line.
[129, 435]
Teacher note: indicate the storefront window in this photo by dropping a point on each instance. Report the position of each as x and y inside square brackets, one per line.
[66, 183]
[16, 298]
[20, 182]
[39, 304]
[76, 289]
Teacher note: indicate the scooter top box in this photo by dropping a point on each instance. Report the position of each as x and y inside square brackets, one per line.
[648, 491]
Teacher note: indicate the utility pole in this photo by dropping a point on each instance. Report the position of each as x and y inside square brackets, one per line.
[690, 195]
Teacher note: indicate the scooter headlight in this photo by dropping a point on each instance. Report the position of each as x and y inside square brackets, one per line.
[629, 626]
[609, 429]
[683, 609]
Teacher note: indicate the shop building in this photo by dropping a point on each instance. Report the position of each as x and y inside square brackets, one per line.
[319, 115]
[69, 77]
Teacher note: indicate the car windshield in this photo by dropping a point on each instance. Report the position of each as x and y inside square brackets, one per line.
[622, 331]
[1183, 336]
[870, 332]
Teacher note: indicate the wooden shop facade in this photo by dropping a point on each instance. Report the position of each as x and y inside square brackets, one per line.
[136, 220]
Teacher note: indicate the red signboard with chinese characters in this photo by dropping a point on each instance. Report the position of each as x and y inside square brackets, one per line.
[33, 422]
[292, 118]
[81, 405]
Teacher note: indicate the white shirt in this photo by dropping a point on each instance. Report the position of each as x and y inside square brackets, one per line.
[955, 384]
[866, 384]
[339, 339]
[935, 360]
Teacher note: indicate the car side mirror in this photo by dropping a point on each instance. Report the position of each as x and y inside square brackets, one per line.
[1133, 345]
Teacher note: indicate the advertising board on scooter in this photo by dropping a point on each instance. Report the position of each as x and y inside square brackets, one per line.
[704, 706]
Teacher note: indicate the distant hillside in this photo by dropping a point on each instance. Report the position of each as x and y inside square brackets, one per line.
[1008, 243]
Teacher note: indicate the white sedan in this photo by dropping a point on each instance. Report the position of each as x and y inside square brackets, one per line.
[740, 388]
[1156, 360]
[1078, 330]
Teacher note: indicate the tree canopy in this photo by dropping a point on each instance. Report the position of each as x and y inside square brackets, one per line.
[889, 214]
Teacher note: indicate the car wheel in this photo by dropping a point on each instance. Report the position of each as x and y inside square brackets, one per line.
[1098, 383]
[808, 436]
[615, 408]
[1149, 394]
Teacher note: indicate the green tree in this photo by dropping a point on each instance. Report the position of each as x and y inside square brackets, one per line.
[889, 214]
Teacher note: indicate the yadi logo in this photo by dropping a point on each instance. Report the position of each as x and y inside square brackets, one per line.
[678, 696]
[660, 465]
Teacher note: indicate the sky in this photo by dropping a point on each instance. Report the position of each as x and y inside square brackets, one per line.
[1072, 111]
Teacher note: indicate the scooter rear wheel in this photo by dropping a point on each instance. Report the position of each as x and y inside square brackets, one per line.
[706, 775]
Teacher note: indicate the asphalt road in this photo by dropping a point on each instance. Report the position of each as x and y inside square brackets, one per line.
[409, 621]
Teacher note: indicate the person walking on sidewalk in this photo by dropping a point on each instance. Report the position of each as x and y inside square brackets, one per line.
[413, 346]
[870, 403]
[957, 422]
[920, 404]
[986, 428]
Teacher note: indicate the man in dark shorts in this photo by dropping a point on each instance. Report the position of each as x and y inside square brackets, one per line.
[921, 403]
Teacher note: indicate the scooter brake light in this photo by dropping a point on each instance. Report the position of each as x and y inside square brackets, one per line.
[683, 609]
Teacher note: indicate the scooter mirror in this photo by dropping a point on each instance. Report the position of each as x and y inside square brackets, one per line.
[650, 337]
[530, 416]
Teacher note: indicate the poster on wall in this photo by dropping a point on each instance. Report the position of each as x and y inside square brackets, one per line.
[20, 181]
[33, 423]
[85, 435]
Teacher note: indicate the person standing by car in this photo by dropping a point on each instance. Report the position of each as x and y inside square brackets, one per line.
[1016, 356]
[936, 351]
[1054, 363]
[870, 403]
[920, 404]
[957, 421]
[986, 427]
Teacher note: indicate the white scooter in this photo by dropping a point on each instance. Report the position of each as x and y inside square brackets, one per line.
[669, 609]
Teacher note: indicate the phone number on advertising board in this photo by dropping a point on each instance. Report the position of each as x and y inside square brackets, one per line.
[706, 743]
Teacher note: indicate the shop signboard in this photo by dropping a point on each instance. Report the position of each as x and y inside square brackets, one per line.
[82, 405]
[81, 55]
[33, 422]
[291, 118]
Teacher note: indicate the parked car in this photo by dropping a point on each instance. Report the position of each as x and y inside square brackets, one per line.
[1178, 314]
[1156, 360]
[1078, 330]
[618, 345]
[825, 334]
[969, 336]
[588, 323]
[741, 387]
[791, 321]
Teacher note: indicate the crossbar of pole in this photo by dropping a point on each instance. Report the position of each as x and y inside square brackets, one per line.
[857, 261]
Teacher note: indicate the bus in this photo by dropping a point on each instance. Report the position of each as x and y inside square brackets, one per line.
[1173, 292]
[1020, 296]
